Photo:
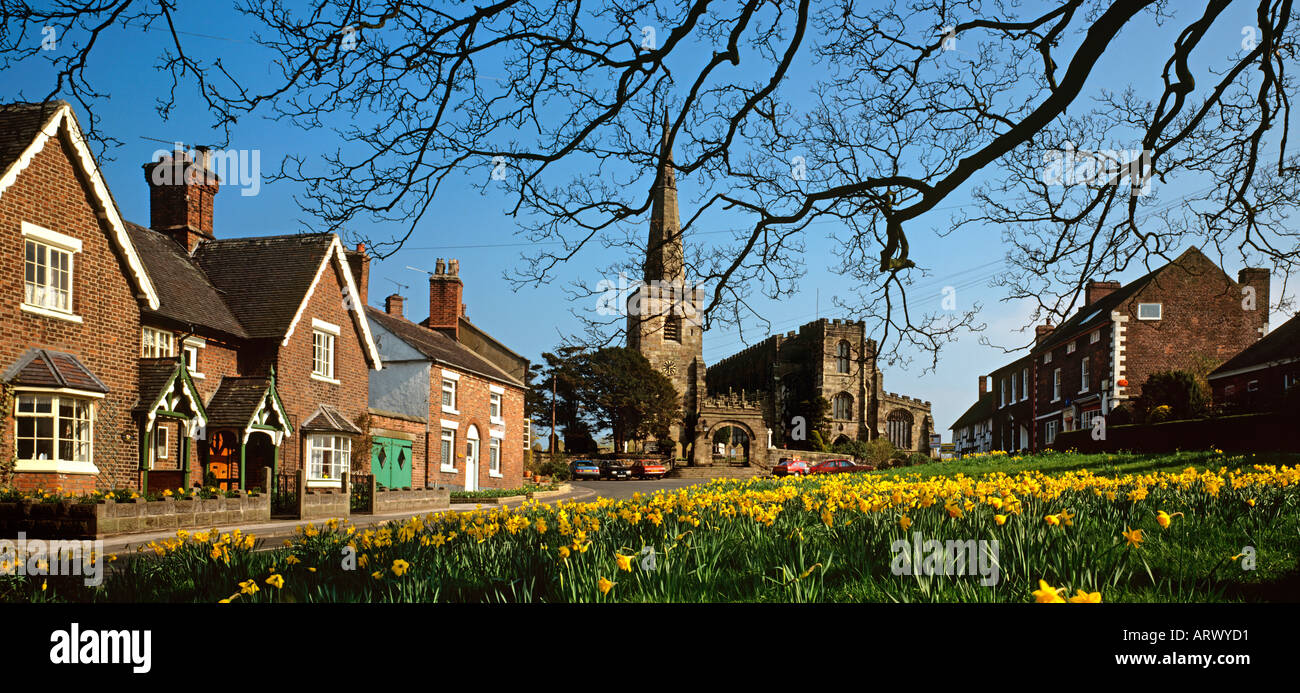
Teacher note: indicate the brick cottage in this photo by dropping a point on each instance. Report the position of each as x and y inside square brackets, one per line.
[450, 387]
[154, 357]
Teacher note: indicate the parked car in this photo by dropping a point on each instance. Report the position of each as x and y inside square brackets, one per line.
[585, 469]
[649, 468]
[615, 469]
[836, 467]
[789, 466]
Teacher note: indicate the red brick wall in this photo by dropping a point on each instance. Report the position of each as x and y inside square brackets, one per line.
[1202, 319]
[474, 404]
[445, 302]
[49, 193]
[301, 393]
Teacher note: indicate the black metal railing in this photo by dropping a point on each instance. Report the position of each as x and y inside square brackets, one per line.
[284, 497]
[362, 496]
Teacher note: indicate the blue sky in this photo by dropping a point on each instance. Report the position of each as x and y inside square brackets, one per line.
[474, 228]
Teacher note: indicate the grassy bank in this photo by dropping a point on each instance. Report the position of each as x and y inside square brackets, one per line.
[783, 540]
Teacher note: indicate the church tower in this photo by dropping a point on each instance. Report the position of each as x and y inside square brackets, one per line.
[664, 322]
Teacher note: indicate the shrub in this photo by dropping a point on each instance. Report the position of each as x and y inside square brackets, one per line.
[1120, 416]
[917, 458]
[1179, 391]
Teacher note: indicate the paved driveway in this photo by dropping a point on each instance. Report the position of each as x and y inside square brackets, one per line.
[624, 488]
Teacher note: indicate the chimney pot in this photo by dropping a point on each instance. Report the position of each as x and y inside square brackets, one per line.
[1095, 291]
[181, 191]
[984, 384]
[393, 305]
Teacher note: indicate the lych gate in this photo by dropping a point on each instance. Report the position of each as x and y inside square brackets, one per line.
[742, 411]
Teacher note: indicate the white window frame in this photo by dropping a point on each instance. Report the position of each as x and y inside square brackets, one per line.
[494, 456]
[1047, 358]
[191, 345]
[1024, 385]
[328, 474]
[1290, 380]
[1056, 385]
[1159, 311]
[1252, 386]
[496, 404]
[54, 463]
[1083, 376]
[1002, 392]
[447, 449]
[1094, 337]
[450, 385]
[161, 442]
[1071, 347]
[152, 341]
[51, 242]
[324, 339]
[1087, 418]
[1050, 431]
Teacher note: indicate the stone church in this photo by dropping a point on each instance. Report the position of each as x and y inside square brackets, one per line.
[755, 390]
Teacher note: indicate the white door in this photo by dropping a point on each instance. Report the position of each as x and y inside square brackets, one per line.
[471, 460]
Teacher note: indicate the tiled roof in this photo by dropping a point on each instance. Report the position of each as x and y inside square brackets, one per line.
[439, 347]
[154, 374]
[328, 418]
[235, 401]
[46, 368]
[19, 123]
[264, 279]
[978, 411]
[1280, 344]
[185, 292]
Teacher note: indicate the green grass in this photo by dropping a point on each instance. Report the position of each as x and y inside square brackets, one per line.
[1107, 464]
[822, 539]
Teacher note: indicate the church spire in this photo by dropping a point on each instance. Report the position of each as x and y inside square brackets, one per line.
[664, 250]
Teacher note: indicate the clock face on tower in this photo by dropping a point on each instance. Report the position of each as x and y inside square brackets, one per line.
[669, 368]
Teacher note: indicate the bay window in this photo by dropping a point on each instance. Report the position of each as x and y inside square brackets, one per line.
[329, 456]
[53, 429]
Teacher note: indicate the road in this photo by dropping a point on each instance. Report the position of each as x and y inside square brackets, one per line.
[623, 489]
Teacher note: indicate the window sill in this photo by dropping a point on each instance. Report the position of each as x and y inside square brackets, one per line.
[496, 475]
[448, 470]
[56, 466]
[497, 421]
[324, 483]
[197, 376]
[46, 312]
[450, 410]
[323, 379]
[1055, 399]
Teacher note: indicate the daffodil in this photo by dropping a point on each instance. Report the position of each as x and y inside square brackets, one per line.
[604, 585]
[1163, 518]
[905, 523]
[1046, 594]
[276, 581]
[400, 567]
[1086, 598]
[248, 587]
[1133, 536]
[624, 562]
[1000, 519]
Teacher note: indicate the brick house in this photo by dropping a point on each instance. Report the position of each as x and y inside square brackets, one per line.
[451, 388]
[973, 431]
[1187, 314]
[151, 357]
[1264, 375]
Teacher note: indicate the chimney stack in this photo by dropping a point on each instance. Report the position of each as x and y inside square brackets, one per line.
[445, 292]
[1042, 331]
[359, 262]
[393, 305]
[1258, 279]
[182, 187]
[1095, 291]
[984, 385]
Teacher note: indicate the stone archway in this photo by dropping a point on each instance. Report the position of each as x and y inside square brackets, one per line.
[730, 443]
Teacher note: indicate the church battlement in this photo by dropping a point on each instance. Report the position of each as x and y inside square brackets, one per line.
[743, 399]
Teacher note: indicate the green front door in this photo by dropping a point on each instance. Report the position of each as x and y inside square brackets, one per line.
[390, 462]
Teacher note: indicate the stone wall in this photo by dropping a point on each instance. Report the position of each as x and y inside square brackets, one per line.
[400, 500]
[90, 520]
[322, 504]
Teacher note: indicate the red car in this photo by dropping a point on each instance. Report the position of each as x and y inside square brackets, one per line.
[789, 467]
[836, 467]
[649, 468]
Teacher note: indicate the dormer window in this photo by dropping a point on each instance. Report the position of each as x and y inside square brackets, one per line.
[1149, 311]
[156, 343]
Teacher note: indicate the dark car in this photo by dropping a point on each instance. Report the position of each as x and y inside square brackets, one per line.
[789, 466]
[615, 469]
[585, 469]
[836, 467]
[642, 469]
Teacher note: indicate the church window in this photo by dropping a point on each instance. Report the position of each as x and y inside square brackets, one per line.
[842, 406]
[673, 328]
[842, 357]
